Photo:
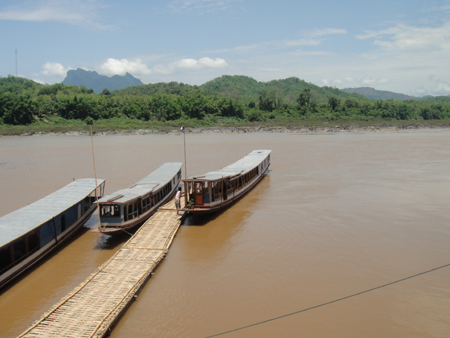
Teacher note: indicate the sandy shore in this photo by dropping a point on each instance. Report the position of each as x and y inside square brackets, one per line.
[284, 129]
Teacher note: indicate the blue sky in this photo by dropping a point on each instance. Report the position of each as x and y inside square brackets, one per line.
[397, 45]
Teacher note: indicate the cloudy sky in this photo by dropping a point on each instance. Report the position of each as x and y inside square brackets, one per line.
[397, 45]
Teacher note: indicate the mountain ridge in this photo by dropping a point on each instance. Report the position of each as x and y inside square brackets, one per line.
[374, 94]
[98, 82]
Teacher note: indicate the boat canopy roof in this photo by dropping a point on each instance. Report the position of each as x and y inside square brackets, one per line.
[21, 221]
[154, 181]
[237, 168]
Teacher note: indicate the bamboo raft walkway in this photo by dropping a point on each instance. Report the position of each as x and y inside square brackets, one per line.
[94, 306]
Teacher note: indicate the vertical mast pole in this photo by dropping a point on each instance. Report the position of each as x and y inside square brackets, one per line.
[95, 175]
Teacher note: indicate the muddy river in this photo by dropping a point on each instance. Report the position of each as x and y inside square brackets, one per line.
[338, 214]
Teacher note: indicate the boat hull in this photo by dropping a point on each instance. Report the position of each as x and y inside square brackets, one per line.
[41, 254]
[229, 201]
[134, 224]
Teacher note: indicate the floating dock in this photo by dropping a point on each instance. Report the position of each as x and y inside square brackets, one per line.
[93, 307]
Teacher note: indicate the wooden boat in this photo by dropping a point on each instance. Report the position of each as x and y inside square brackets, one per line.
[217, 189]
[128, 208]
[30, 233]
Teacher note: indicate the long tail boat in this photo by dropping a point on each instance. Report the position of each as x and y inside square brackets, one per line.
[30, 233]
[217, 189]
[131, 207]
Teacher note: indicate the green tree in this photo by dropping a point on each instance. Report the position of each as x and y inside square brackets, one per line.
[304, 98]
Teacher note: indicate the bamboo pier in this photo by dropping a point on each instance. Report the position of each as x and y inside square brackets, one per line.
[94, 306]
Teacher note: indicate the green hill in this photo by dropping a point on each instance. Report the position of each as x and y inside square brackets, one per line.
[244, 88]
[288, 89]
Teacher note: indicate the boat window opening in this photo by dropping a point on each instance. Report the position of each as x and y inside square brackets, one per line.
[5, 258]
[110, 211]
[135, 209]
[198, 192]
[217, 190]
[125, 214]
[33, 242]
[224, 190]
[145, 204]
[63, 223]
[199, 187]
[130, 211]
[19, 250]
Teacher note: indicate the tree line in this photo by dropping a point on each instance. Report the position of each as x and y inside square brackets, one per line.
[23, 102]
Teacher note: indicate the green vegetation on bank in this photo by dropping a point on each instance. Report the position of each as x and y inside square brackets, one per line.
[225, 101]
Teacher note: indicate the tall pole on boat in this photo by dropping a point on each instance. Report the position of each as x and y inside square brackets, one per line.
[95, 175]
[184, 141]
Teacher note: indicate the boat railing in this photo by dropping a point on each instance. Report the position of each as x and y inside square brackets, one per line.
[133, 215]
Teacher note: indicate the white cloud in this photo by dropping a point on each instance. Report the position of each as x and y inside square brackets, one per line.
[38, 81]
[408, 38]
[441, 87]
[203, 5]
[75, 12]
[138, 67]
[302, 42]
[121, 67]
[54, 69]
[311, 38]
[326, 31]
[201, 63]
[349, 81]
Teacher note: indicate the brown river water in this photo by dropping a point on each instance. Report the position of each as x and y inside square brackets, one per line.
[338, 214]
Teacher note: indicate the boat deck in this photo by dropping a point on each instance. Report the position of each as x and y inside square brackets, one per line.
[93, 307]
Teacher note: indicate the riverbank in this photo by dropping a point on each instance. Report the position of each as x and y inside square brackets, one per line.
[301, 129]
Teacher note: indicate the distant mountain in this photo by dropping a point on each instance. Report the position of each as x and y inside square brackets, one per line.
[98, 82]
[372, 93]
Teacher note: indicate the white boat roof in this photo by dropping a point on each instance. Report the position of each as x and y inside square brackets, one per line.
[240, 167]
[21, 221]
[154, 181]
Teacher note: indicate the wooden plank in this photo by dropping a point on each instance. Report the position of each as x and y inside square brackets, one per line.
[95, 305]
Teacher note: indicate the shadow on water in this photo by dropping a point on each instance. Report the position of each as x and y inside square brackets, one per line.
[108, 242]
[208, 237]
[201, 220]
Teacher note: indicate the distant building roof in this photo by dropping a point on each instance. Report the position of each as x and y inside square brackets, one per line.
[240, 167]
[21, 221]
[154, 181]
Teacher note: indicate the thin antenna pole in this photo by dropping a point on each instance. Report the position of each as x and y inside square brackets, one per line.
[95, 175]
[184, 141]
[16, 62]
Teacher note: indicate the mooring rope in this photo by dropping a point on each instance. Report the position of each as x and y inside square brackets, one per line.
[330, 302]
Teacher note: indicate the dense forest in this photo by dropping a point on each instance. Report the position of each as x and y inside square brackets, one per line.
[224, 100]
